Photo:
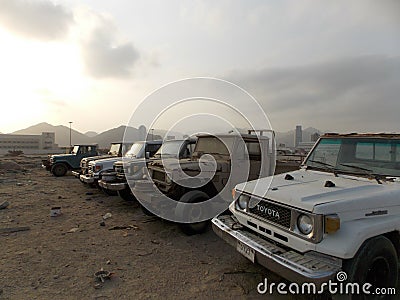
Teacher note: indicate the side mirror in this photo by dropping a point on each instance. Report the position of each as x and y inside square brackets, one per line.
[147, 155]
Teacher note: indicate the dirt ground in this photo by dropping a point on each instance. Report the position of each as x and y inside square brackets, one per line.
[56, 258]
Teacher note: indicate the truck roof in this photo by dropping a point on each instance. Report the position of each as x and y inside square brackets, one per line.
[92, 144]
[361, 135]
[227, 135]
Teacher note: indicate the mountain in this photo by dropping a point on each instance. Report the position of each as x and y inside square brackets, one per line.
[103, 139]
[61, 131]
[91, 134]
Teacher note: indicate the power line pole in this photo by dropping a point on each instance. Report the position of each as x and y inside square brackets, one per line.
[70, 134]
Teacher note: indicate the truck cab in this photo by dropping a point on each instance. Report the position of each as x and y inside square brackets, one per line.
[340, 212]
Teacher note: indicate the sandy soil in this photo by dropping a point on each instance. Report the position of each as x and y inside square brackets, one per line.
[58, 256]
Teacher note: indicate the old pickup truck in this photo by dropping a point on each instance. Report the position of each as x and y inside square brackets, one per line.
[127, 172]
[117, 149]
[217, 164]
[338, 214]
[59, 164]
[98, 167]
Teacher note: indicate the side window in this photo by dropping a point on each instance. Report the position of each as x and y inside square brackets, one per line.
[152, 149]
[254, 150]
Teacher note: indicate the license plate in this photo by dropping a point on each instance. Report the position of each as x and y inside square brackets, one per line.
[245, 250]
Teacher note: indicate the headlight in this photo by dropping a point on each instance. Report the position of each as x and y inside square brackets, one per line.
[242, 201]
[305, 224]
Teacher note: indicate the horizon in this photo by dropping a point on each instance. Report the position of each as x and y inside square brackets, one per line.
[332, 64]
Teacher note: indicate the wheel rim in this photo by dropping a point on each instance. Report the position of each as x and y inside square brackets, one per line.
[379, 274]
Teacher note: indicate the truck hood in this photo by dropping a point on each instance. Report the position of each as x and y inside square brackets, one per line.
[90, 158]
[61, 156]
[308, 191]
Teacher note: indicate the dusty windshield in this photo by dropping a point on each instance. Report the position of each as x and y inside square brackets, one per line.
[364, 156]
[135, 150]
[212, 145]
[114, 150]
[75, 150]
[169, 149]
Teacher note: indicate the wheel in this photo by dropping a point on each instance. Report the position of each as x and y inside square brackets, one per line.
[108, 192]
[198, 227]
[59, 169]
[376, 263]
[126, 194]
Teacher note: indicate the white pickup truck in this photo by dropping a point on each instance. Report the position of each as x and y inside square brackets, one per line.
[339, 213]
[97, 167]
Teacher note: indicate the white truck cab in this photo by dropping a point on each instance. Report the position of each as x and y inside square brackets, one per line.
[339, 212]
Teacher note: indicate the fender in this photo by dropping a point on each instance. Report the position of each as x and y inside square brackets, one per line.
[352, 234]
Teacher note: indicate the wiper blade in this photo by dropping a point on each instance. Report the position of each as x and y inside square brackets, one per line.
[330, 167]
[356, 167]
[377, 177]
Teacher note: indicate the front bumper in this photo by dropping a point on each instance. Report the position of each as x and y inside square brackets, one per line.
[77, 174]
[113, 186]
[296, 267]
[87, 179]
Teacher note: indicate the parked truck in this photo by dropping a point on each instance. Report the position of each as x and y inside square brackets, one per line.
[191, 180]
[60, 164]
[340, 212]
[117, 149]
[96, 168]
[133, 170]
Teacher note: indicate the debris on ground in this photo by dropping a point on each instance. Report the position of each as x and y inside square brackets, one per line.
[102, 275]
[102, 223]
[4, 205]
[14, 229]
[124, 227]
[107, 216]
[72, 230]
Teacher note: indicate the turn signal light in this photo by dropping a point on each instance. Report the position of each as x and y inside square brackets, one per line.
[332, 223]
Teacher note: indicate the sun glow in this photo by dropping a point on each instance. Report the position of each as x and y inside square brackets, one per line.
[37, 79]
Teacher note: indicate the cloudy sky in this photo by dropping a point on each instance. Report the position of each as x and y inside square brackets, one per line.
[328, 64]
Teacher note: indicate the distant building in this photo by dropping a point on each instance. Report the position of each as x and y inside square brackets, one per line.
[298, 136]
[28, 143]
[170, 137]
[304, 147]
[315, 136]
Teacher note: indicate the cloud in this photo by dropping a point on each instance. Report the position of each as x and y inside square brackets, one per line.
[358, 93]
[42, 20]
[103, 55]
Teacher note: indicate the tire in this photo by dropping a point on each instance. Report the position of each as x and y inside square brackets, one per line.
[376, 263]
[59, 169]
[126, 194]
[198, 227]
[108, 192]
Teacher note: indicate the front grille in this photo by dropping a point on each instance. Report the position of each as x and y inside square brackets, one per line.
[273, 213]
[119, 169]
[157, 175]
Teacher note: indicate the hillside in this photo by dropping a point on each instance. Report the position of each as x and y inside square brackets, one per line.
[61, 131]
[91, 134]
[103, 139]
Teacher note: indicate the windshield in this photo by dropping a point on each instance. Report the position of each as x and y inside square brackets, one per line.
[211, 145]
[169, 148]
[75, 150]
[365, 156]
[134, 151]
[114, 150]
